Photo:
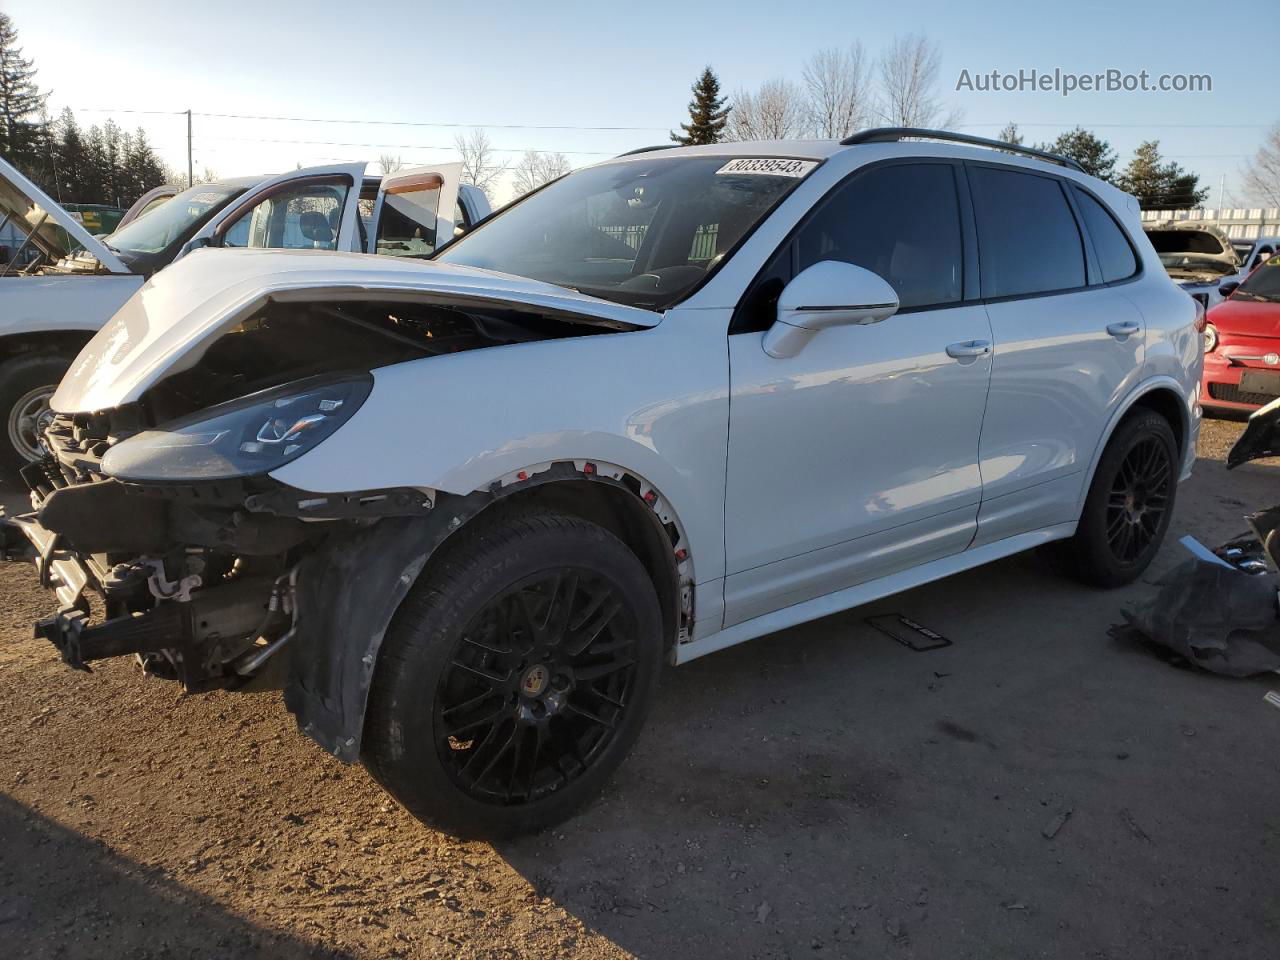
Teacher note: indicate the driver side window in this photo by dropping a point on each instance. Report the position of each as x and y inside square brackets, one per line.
[304, 216]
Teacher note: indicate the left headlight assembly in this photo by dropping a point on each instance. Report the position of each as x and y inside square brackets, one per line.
[241, 438]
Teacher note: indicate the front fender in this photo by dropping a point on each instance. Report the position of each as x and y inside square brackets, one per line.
[654, 402]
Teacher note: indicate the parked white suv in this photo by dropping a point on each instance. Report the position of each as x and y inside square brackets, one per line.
[60, 285]
[462, 510]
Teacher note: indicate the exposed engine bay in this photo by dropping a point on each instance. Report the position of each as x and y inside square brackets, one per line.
[210, 582]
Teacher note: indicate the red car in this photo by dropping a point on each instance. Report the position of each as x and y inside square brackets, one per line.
[1242, 344]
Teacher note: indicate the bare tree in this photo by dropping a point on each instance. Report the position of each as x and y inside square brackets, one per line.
[390, 163]
[480, 167]
[837, 82]
[1262, 175]
[536, 168]
[908, 74]
[777, 111]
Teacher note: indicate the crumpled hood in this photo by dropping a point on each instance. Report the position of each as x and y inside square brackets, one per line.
[167, 325]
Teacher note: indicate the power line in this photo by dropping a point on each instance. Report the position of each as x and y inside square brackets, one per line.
[386, 123]
[398, 146]
[531, 126]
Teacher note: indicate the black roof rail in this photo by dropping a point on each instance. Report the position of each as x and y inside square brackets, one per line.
[891, 134]
[658, 146]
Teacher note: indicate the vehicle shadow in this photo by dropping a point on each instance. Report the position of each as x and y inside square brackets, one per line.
[65, 895]
[828, 790]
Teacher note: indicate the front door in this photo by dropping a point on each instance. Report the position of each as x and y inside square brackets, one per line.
[858, 457]
[413, 212]
[315, 208]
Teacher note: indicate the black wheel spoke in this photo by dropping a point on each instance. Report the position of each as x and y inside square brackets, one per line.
[538, 685]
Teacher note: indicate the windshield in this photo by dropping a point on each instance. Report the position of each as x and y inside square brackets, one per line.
[1263, 284]
[165, 224]
[643, 232]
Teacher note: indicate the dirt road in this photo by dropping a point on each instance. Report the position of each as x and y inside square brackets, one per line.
[1033, 790]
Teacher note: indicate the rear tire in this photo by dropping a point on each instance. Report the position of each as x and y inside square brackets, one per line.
[27, 382]
[1130, 503]
[515, 677]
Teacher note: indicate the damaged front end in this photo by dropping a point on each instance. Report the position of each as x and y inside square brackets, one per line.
[159, 527]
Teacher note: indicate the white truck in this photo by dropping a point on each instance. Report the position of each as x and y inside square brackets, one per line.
[59, 284]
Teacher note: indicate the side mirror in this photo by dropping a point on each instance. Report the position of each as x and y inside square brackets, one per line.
[1228, 288]
[828, 294]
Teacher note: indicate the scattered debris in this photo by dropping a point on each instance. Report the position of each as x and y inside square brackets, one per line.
[763, 911]
[1014, 905]
[908, 633]
[1057, 823]
[1215, 615]
[1127, 819]
[1272, 697]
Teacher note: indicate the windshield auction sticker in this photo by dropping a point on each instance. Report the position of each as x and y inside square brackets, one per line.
[769, 166]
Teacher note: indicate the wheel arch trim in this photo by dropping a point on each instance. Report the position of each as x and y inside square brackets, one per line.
[351, 592]
[1144, 389]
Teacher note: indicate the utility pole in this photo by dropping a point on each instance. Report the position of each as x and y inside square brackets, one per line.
[1222, 193]
[190, 173]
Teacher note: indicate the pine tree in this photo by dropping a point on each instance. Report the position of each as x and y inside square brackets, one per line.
[1093, 153]
[95, 168]
[1159, 185]
[21, 102]
[143, 169]
[707, 113]
[73, 159]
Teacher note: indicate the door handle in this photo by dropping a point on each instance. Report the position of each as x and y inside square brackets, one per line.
[1126, 328]
[968, 349]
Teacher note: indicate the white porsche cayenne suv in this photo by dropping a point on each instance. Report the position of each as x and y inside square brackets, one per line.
[462, 510]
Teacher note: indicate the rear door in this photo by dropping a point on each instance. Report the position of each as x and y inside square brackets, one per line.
[413, 214]
[315, 208]
[1068, 343]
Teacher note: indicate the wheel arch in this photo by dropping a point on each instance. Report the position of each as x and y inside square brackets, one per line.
[353, 589]
[1161, 394]
[63, 342]
[622, 502]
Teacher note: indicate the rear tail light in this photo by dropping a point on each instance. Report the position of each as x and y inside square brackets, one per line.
[1202, 318]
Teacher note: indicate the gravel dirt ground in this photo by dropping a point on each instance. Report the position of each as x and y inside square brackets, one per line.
[1034, 790]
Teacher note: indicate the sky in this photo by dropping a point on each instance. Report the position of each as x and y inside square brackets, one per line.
[416, 74]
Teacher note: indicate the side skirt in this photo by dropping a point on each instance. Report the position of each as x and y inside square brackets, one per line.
[871, 590]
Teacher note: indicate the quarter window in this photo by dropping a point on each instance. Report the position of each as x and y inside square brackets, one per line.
[1028, 241]
[1115, 257]
[901, 222]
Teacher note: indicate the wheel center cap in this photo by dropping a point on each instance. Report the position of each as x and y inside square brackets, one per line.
[535, 680]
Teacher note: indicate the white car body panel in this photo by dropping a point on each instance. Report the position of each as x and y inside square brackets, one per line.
[869, 462]
[164, 327]
[894, 481]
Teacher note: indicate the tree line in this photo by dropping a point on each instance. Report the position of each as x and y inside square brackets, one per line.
[103, 164]
[844, 89]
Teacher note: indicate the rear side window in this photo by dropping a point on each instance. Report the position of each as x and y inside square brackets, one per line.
[1028, 241]
[901, 222]
[1116, 259]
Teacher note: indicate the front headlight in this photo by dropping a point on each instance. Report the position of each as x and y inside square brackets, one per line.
[242, 438]
[1210, 338]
